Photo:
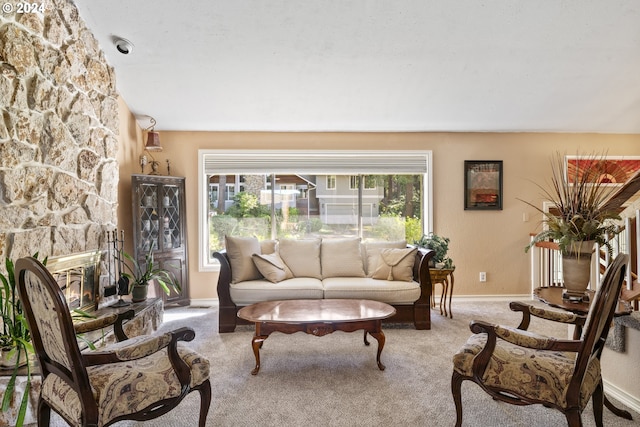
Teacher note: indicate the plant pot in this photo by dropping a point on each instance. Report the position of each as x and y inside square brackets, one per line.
[576, 271]
[9, 355]
[139, 293]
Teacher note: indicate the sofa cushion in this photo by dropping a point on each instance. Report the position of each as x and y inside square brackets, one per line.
[240, 251]
[341, 258]
[396, 264]
[272, 267]
[372, 253]
[391, 292]
[268, 246]
[252, 291]
[302, 256]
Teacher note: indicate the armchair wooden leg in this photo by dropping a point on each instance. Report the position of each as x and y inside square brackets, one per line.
[598, 400]
[205, 402]
[44, 414]
[573, 418]
[456, 391]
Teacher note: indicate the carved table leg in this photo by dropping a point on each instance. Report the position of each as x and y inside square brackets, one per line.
[256, 343]
[451, 295]
[379, 336]
[443, 297]
[366, 342]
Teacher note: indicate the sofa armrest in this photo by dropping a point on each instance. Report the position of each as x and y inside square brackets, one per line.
[224, 279]
[421, 273]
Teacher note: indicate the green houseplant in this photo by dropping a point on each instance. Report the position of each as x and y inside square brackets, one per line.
[15, 338]
[140, 274]
[579, 218]
[440, 245]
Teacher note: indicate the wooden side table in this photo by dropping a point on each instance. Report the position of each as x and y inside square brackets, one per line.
[443, 276]
[552, 295]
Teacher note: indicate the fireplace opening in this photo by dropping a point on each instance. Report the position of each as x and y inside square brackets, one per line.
[78, 276]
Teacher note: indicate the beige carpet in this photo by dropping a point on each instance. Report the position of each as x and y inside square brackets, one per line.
[334, 380]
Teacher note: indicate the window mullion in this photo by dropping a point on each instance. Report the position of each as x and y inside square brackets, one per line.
[274, 226]
[360, 213]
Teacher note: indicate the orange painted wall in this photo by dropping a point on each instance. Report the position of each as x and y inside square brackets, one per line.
[490, 241]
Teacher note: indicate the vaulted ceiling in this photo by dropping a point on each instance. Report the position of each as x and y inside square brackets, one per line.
[376, 65]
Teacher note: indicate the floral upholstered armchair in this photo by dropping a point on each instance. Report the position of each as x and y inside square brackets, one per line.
[523, 368]
[139, 378]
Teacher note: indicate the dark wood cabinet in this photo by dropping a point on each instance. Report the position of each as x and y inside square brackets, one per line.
[159, 224]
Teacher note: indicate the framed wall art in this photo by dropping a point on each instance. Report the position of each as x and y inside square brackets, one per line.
[483, 184]
[609, 169]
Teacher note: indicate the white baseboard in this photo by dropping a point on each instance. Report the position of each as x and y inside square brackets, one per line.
[621, 396]
[508, 298]
[204, 302]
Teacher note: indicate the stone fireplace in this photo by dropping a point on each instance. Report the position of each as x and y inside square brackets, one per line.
[58, 135]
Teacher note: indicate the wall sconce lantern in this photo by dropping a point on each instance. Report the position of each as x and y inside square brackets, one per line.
[153, 138]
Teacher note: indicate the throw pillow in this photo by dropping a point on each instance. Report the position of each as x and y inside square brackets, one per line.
[341, 258]
[396, 264]
[239, 251]
[301, 256]
[372, 251]
[268, 246]
[272, 267]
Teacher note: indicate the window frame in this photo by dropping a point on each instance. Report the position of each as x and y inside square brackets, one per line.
[361, 159]
[332, 179]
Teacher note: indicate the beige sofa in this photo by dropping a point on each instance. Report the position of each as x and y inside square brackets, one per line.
[392, 272]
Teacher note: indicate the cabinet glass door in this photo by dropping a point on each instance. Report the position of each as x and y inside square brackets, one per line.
[171, 224]
[149, 218]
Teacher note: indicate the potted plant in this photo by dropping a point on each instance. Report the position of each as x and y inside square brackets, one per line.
[15, 338]
[579, 218]
[140, 274]
[441, 246]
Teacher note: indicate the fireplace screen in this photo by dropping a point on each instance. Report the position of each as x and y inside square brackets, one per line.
[78, 277]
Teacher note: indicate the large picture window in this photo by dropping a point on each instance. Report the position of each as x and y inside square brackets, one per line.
[272, 194]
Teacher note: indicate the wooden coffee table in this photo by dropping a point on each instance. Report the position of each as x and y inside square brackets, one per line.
[318, 317]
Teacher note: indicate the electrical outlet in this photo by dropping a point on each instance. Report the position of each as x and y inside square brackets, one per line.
[483, 276]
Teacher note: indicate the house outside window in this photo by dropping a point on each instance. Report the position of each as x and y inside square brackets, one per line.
[213, 196]
[269, 204]
[331, 182]
[369, 182]
[230, 192]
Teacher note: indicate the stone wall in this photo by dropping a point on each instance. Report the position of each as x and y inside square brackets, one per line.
[58, 134]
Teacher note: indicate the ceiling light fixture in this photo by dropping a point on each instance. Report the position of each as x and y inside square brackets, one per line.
[153, 138]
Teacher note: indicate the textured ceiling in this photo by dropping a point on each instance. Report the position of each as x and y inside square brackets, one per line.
[377, 65]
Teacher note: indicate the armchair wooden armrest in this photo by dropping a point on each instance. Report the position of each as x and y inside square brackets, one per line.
[517, 337]
[523, 338]
[115, 319]
[529, 310]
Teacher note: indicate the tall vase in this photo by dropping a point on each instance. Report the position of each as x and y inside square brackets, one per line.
[576, 270]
